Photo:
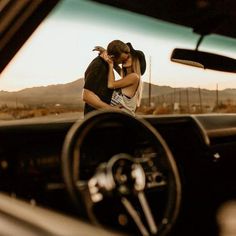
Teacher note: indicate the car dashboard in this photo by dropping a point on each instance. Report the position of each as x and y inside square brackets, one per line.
[203, 147]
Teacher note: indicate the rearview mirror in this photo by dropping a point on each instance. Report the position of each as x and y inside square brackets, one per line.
[204, 60]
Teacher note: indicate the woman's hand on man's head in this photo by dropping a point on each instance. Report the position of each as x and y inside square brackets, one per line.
[106, 58]
[99, 49]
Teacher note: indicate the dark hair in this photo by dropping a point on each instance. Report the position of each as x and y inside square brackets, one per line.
[116, 48]
[140, 55]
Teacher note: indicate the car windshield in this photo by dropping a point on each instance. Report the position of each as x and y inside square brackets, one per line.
[46, 76]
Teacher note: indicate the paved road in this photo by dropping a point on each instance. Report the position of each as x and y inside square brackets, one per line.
[50, 118]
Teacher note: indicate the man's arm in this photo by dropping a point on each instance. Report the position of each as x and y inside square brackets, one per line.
[93, 100]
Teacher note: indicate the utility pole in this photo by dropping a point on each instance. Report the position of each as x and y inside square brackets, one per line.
[217, 97]
[200, 99]
[150, 83]
[180, 99]
[16, 102]
[188, 105]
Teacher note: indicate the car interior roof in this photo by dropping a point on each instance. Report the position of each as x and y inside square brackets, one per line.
[18, 19]
[203, 16]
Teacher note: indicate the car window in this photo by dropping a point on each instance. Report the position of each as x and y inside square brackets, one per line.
[46, 75]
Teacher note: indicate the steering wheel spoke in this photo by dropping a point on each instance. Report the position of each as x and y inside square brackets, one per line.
[147, 212]
[135, 216]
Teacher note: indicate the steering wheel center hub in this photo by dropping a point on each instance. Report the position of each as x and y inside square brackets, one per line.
[128, 176]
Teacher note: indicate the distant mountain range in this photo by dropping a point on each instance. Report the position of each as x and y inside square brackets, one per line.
[70, 94]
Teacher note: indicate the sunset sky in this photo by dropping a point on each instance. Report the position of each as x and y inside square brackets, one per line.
[61, 48]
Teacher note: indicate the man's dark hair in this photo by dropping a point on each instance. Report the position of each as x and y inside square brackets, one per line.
[116, 48]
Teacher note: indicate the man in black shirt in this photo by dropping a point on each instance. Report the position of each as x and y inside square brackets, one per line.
[96, 93]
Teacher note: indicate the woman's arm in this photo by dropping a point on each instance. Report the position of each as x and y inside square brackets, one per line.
[123, 81]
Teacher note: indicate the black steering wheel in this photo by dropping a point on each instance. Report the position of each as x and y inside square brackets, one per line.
[119, 171]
